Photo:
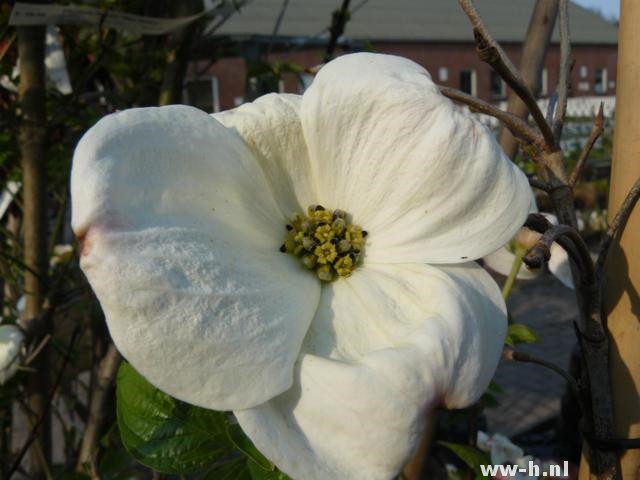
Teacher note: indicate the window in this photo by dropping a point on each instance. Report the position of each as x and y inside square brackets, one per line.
[584, 71]
[584, 86]
[497, 85]
[544, 81]
[443, 74]
[600, 85]
[468, 81]
[203, 94]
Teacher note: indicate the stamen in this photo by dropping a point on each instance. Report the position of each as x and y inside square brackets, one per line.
[326, 253]
[325, 241]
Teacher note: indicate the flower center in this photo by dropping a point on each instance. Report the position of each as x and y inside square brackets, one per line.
[325, 241]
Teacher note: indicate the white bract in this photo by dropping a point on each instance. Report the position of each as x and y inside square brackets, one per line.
[181, 216]
[501, 260]
[504, 452]
[11, 338]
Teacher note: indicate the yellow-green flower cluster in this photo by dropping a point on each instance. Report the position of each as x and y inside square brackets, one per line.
[325, 241]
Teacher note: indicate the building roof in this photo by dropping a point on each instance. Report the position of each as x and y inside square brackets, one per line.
[411, 20]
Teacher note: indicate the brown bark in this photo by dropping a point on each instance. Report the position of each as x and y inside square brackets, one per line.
[178, 47]
[622, 268]
[105, 375]
[534, 51]
[32, 138]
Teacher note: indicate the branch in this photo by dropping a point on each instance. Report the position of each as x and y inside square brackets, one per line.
[526, 358]
[537, 183]
[339, 19]
[177, 55]
[276, 27]
[617, 226]
[43, 414]
[518, 127]
[532, 55]
[106, 373]
[568, 238]
[596, 131]
[490, 52]
[564, 78]
[32, 139]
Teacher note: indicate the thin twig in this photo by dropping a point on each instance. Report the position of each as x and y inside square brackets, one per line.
[38, 349]
[276, 27]
[516, 125]
[564, 78]
[339, 20]
[617, 226]
[34, 429]
[490, 52]
[596, 131]
[526, 358]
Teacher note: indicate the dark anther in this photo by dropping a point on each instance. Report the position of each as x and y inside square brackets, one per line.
[283, 249]
[353, 257]
[319, 208]
[364, 233]
[334, 240]
[289, 227]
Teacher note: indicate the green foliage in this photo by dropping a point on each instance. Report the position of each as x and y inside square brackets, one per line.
[489, 398]
[471, 456]
[520, 333]
[174, 437]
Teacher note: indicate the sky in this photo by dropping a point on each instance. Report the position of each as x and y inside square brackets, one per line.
[610, 8]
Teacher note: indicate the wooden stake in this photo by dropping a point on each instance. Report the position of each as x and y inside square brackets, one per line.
[622, 272]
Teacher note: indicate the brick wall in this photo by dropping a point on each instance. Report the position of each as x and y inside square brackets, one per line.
[444, 61]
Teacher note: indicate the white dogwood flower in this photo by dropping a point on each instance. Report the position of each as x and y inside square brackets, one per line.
[330, 331]
[504, 452]
[11, 338]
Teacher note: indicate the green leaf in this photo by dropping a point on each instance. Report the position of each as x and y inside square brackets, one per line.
[259, 473]
[243, 444]
[243, 468]
[495, 387]
[236, 469]
[520, 333]
[114, 463]
[469, 455]
[166, 434]
[75, 476]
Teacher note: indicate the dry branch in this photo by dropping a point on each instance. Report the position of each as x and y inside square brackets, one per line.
[106, 373]
[564, 78]
[490, 52]
[339, 20]
[518, 127]
[596, 131]
[617, 226]
[32, 142]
